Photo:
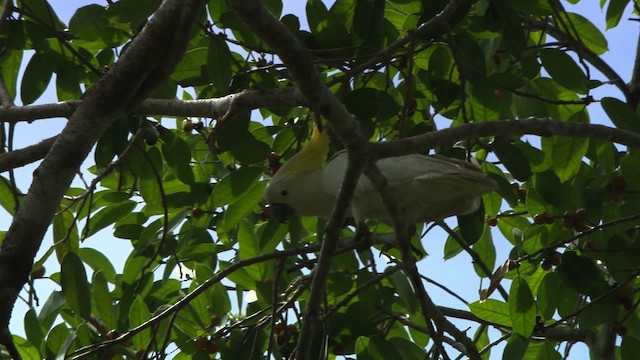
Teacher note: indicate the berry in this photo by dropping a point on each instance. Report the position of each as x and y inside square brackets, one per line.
[522, 195]
[582, 213]
[215, 320]
[549, 219]
[187, 125]
[202, 342]
[212, 347]
[619, 182]
[279, 327]
[539, 219]
[568, 222]
[197, 213]
[39, 273]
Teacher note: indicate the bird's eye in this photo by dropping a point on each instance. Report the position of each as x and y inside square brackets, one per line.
[284, 192]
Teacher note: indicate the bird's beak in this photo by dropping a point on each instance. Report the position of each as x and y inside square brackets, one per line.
[281, 212]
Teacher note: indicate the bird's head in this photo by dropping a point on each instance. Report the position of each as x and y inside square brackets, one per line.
[288, 189]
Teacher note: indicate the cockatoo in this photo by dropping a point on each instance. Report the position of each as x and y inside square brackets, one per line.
[427, 188]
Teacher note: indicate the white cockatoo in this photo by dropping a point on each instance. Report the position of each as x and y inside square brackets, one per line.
[427, 188]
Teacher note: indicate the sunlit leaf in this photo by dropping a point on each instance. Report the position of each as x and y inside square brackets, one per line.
[74, 285]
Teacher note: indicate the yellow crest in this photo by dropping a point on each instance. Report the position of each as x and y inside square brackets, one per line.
[312, 157]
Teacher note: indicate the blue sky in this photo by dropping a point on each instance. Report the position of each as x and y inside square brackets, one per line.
[622, 42]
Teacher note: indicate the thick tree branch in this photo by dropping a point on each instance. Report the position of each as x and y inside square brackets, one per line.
[243, 101]
[28, 155]
[300, 65]
[532, 126]
[212, 108]
[146, 63]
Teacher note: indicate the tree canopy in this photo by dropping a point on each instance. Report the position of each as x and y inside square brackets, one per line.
[184, 110]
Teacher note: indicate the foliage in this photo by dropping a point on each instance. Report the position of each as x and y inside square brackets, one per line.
[186, 192]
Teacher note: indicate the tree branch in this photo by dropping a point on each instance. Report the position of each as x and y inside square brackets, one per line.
[300, 65]
[147, 62]
[583, 52]
[532, 126]
[243, 101]
[421, 30]
[634, 84]
[28, 155]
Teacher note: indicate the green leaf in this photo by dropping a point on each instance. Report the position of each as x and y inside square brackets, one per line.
[548, 185]
[50, 310]
[469, 58]
[630, 168]
[401, 285]
[192, 68]
[581, 274]
[581, 28]
[615, 11]
[368, 20]
[10, 63]
[246, 203]
[548, 352]
[35, 79]
[630, 348]
[101, 298]
[381, 348]
[451, 246]
[231, 187]
[109, 215]
[132, 11]
[68, 84]
[26, 349]
[368, 103]
[148, 168]
[219, 65]
[249, 248]
[75, 287]
[32, 328]
[513, 35]
[521, 307]
[57, 339]
[138, 315]
[567, 154]
[250, 151]
[98, 261]
[177, 154]
[564, 70]
[493, 311]
[512, 158]
[621, 114]
[599, 312]
[481, 338]
[111, 143]
[534, 7]
[516, 347]
[486, 250]
[92, 29]
[472, 226]
[64, 228]
[316, 13]
[407, 349]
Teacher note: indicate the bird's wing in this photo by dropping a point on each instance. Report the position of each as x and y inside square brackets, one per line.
[441, 177]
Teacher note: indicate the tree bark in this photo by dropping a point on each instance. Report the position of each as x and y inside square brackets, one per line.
[146, 64]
